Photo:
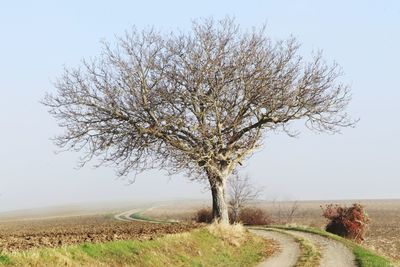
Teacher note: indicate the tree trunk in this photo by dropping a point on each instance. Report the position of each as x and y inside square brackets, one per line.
[220, 207]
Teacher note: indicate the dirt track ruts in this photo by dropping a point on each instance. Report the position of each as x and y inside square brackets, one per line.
[126, 216]
[288, 253]
[333, 253]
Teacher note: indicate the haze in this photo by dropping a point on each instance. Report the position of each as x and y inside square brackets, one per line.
[39, 38]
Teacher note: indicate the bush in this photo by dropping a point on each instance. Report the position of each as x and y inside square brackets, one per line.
[349, 222]
[254, 216]
[204, 215]
[247, 216]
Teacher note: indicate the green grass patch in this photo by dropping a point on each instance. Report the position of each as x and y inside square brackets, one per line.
[139, 216]
[4, 259]
[364, 257]
[310, 255]
[196, 248]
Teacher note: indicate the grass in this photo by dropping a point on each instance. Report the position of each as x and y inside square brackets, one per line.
[364, 257]
[200, 247]
[4, 259]
[310, 255]
[139, 216]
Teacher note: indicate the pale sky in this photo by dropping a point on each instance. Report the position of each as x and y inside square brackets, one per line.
[38, 38]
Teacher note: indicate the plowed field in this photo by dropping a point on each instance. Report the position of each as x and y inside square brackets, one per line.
[22, 235]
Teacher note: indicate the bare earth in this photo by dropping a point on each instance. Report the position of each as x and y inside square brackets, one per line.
[23, 235]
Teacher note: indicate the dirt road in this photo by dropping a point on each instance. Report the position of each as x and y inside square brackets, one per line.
[129, 215]
[289, 250]
[333, 253]
[125, 216]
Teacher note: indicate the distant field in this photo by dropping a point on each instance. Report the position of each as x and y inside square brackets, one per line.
[72, 210]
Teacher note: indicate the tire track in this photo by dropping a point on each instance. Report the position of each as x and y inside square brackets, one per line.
[333, 253]
[289, 249]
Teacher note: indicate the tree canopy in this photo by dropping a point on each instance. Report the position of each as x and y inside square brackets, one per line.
[197, 101]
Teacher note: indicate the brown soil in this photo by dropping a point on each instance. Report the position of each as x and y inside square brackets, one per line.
[22, 235]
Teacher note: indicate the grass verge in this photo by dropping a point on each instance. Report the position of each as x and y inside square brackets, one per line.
[310, 255]
[139, 216]
[200, 247]
[4, 259]
[364, 257]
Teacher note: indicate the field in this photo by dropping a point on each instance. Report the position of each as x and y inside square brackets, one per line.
[383, 235]
[56, 232]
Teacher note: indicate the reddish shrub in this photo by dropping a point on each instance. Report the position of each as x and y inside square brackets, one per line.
[254, 216]
[349, 222]
[248, 216]
[205, 215]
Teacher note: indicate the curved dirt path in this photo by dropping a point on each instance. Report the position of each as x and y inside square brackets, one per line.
[333, 253]
[289, 249]
[126, 215]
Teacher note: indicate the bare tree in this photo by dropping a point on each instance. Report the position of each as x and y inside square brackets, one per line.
[292, 211]
[241, 191]
[197, 101]
[285, 211]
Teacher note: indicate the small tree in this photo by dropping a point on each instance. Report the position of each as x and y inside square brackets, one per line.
[241, 192]
[285, 211]
[198, 102]
[292, 211]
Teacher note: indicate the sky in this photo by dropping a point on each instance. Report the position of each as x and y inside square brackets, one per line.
[39, 38]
